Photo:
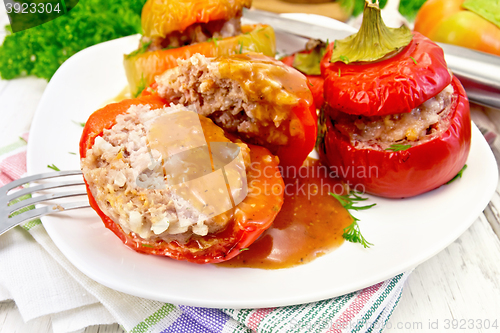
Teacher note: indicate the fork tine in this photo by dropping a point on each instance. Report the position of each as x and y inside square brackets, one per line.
[36, 188]
[25, 180]
[46, 197]
[9, 223]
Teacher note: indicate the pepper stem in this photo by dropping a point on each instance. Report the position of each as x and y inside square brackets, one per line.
[373, 41]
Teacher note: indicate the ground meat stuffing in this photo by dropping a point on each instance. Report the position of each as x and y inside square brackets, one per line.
[423, 123]
[251, 97]
[127, 180]
[196, 33]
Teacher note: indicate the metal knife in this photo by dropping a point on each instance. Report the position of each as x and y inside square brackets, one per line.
[479, 72]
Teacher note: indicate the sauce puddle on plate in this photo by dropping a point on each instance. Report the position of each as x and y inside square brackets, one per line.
[309, 225]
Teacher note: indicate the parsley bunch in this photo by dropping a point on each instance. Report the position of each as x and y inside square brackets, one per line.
[409, 8]
[41, 50]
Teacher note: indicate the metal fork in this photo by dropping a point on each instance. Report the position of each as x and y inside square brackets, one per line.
[10, 203]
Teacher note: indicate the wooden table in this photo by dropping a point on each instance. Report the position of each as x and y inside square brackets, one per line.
[461, 283]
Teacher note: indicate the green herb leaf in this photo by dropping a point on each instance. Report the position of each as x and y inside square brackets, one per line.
[214, 40]
[42, 49]
[352, 233]
[71, 153]
[53, 167]
[78, 123]
[397, 147]
[458, 175]
[147, 245]
[141, 87]
[414, 60]
[244, 249]
[344, 59]
[142, 49]
[349, 200]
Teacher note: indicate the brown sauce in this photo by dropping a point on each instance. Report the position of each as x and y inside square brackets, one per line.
[275, 88]
[309, 225]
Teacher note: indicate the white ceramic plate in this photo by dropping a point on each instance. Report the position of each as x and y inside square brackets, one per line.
[404, 232]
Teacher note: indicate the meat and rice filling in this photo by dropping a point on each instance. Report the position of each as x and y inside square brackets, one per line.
[248, 94]
[128, 182]
[423, 123]
[196, 33]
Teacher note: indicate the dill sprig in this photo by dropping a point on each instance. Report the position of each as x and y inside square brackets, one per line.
[53, 167]
[214, 40]
[79, 123]
[352, 233]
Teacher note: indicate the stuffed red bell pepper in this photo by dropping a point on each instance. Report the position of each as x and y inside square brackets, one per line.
[255, 97]
[396, 122]
[122, 151]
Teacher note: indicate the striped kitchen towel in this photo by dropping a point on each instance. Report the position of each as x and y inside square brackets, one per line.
[72, 301]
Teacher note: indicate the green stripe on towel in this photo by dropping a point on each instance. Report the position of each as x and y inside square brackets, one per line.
[154, 319]
[13, 146]
[30, 224]
[377, 303]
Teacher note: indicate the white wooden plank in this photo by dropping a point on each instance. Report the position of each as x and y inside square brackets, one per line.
[12, 322]
[115, 328]
[492, 213]
[462, 282]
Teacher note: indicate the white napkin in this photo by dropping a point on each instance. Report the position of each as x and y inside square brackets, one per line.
[46, 286]
[35, 274]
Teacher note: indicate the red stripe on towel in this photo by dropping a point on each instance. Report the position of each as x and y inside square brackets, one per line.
[257, 316]
[4, 179]
[354, 308]
[14, 166]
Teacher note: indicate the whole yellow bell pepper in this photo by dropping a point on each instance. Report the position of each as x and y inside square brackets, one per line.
[471, 24]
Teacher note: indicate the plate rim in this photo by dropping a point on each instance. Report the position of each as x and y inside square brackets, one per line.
[31, 166]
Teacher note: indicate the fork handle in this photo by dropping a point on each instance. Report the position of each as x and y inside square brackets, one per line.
[9, 223]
